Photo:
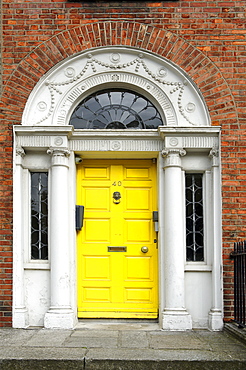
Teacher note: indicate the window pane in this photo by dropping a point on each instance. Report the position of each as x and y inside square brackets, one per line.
[194, 217]
[39, 215]
[116, 109]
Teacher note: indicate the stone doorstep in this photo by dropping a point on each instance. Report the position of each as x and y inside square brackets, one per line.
[233, 329]
[137, 350]
[126, 364]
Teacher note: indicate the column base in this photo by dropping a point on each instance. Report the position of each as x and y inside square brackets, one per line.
[178, 320]
[59, 318]
[20, 318]
[215, 320]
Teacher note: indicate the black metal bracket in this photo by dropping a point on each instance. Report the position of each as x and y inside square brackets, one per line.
[79, 217]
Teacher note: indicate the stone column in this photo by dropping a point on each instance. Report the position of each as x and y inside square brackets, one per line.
[215, 314]
[60, 314]
[175, 316]
[20, 313]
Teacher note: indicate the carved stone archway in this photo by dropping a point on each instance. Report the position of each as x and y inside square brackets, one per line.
[170, 89]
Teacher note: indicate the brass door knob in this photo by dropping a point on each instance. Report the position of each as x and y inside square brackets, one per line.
[144, 249]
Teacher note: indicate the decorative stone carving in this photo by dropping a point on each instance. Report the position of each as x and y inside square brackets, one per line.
[115, 78]
[214, 152]
[59, 156]
[58, 152]
[115, 57]
[42, 106]
[166, 152]
[115, 145]
[199, 141]
[190, 107]
[138, 71]
[173, 141]
[20, 152]
[58, 141]
[173, 157]
[162, 72]
[36, 141]
[69, 72]
[214, 155]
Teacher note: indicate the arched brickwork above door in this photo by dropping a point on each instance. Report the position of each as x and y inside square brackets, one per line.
[194, 62]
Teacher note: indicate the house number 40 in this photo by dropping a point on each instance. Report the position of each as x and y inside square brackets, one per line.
[115, 183]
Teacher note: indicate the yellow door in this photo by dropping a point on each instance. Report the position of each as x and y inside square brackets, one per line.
[117, 277]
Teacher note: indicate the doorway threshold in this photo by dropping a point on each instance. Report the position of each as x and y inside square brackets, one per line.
[118, 324]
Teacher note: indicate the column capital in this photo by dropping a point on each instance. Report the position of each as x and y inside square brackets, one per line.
[173, 156]
[20, 154]
[58, 151]
[175, 151]
[214, 155]
[59, 156]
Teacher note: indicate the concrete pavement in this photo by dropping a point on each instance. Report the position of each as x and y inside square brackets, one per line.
[105, 345]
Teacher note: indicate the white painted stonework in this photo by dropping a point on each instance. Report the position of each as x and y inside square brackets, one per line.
[190, 294]
[169, 89]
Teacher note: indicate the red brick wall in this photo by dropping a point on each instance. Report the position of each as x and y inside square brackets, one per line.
[205, 38]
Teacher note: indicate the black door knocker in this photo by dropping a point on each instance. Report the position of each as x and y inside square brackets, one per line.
[116, 197]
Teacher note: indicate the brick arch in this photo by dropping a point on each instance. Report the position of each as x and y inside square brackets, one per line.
[194, 62]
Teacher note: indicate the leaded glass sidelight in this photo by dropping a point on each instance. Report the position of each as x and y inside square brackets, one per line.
[194, 217]
[39, 215]
[115, 109]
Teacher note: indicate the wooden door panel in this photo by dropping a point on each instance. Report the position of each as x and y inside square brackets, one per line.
[96, 198]
[138, 231]
[96, 172]
[139, 296]
[115, 278]
[96, 295]
[137, 199]
[138, 268]
[96, 268]
[97, 231]
[136, 173]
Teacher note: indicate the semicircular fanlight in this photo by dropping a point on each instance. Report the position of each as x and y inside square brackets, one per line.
[115, 109]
